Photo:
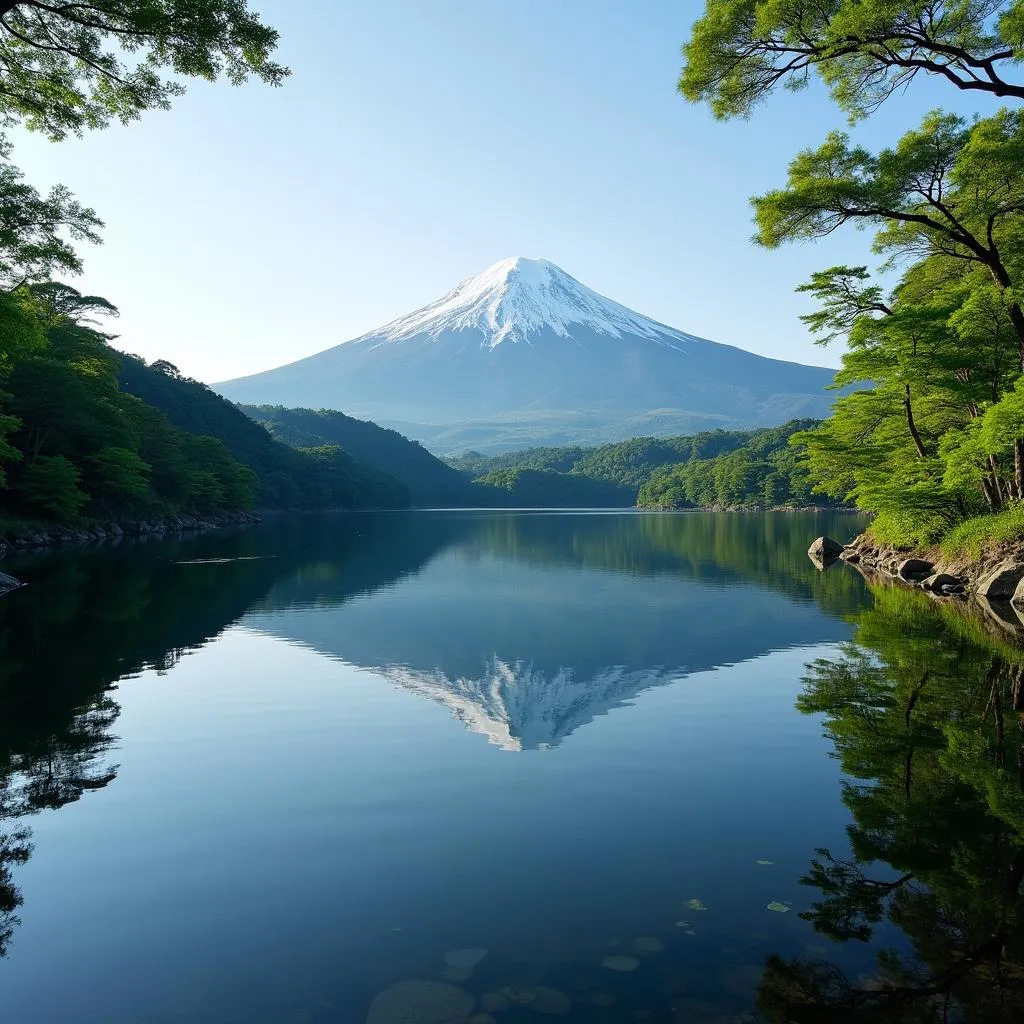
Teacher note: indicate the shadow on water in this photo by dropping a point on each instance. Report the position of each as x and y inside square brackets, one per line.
[923, 708]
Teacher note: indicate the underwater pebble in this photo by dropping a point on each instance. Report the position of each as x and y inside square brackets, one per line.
[647, 944]
[465, 957]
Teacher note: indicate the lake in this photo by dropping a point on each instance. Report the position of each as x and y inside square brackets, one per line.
[423, 767]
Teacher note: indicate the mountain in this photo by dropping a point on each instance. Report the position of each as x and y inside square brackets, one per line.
[523, 352]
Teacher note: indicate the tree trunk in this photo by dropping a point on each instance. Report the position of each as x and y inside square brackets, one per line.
[1002, 278]
[910, 422]
[996, 488]
[990, 496]
[1018, 466]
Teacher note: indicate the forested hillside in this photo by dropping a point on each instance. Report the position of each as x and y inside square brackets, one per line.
[310, 475]
[713, 469]
[86, 431]
[429, 480]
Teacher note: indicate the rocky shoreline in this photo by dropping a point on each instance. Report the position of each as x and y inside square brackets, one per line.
[159, 526]
[997, 574]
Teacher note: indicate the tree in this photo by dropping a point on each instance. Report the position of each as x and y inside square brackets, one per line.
[32, 227]
[119, 475]
[864, 50]
[66, 67]
[50, 486]
[945, 189]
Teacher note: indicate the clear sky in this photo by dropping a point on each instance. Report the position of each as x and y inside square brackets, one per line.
[418, 142]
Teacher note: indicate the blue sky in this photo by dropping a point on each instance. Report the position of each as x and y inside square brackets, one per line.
[418, 142]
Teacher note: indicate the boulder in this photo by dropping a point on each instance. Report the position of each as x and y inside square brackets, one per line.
[1018, 595]
[1002, 582]
[940, 581]
[825, 549]
[914, 569]
[8, 583]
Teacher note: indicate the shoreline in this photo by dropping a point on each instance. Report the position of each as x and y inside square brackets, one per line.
[994, 575]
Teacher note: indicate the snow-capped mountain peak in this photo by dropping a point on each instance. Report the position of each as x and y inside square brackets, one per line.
[517, 297]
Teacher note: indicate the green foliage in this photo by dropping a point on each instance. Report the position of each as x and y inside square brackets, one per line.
[68, 67]
[540, 488]
[429, 480]
[972, 536]
[318, 475]
[32, 227]
[864, 50]
[49, 486]
[765, 471]
[119, 474]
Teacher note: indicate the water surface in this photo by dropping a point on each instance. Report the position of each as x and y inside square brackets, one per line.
[262, 776]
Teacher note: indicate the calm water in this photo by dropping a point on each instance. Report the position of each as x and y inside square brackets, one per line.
[264, 776]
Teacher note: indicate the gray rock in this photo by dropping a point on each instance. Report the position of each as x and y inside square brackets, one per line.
[1018, 595]
[8, 583]
[1003, 582]
[825, 549]
[914, 569]
[940, 581]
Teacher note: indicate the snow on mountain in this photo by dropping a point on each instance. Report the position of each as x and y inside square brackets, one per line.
[522, 354]
[517, 297]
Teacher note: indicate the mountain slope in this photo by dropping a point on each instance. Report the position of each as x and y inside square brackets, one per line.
[527, 349]
[314, 477]
[430, 481]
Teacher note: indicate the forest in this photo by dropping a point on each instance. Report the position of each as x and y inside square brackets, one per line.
[929, 436]
[713, 469]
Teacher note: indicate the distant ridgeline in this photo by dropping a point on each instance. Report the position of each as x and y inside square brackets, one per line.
[713, 469]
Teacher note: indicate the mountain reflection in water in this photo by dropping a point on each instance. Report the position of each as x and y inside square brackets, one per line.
[279, 793]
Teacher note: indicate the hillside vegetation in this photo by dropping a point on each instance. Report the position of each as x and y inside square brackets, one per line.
[429, 480]
[713, 469]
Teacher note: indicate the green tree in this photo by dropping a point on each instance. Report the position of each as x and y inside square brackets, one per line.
[946, 189]
[32, 226]
[864, 50]
[67, 67]
[50, 486]
[119, 475]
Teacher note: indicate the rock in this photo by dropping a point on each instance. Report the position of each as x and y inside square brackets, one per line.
[853, 557]
[465, 958]
[825, 548]
[8, 583]
[620, 963]
[494, 1002]
[420, 1002]
[940, 581]
[1003, 582]
[550, 1000]
[914, 569]
[1018, 595]
[521, 995]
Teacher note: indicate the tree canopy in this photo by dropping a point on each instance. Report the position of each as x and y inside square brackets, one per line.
[864, 50]
[67, 67]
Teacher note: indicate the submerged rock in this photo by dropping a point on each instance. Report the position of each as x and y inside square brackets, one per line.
[620, 963]
[465, 958]
[521, 995]
[495, 1002]
[420, 1002]
[450, 973]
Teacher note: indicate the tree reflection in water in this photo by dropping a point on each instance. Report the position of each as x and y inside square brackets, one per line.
[924, 710]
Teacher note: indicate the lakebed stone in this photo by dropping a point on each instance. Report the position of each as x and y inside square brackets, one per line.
[1003, 581]
[420, 1002]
